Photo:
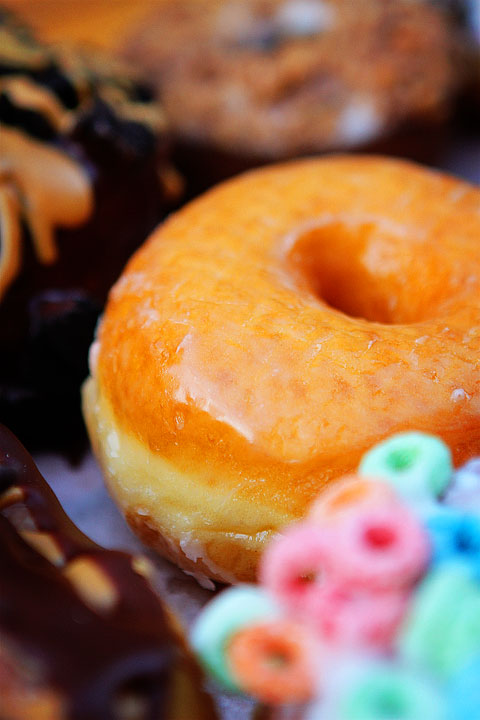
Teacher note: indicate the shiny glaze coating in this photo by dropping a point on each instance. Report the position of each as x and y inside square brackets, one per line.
[273, 330]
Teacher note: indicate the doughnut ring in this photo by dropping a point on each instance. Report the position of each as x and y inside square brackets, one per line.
[271, 661]
[272, 331]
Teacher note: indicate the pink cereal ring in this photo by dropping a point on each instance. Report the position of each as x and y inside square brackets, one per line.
[349, 618]
[379, 548]
[347, 493]
[293, 566]
[273, 661]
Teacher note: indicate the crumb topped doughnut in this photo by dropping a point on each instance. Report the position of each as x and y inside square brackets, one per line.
[270, 332]
[247, 82]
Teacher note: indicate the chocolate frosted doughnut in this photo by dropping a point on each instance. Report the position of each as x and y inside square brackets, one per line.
[83, 635]
[83, 179]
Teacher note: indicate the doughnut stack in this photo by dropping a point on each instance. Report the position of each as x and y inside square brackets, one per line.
[370, 607]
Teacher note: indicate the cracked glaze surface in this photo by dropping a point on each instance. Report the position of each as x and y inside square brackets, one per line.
[274, 329]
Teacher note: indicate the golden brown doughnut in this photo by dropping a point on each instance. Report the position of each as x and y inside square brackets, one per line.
[269, 333]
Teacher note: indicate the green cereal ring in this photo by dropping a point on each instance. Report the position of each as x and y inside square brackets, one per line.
[230, 611]
[389, 692]
[442, 629]
[464, 635]
[417, 465]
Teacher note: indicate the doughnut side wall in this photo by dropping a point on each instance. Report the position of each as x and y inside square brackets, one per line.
[270, 333]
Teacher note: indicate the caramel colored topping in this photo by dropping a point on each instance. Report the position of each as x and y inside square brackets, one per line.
[92, 584]
[27, 94]
[10, 235]
[10, 497]
[142, 113]
[41, 706]
[56, 191]
[143, 567]
[20, 51]
[57, 104]
[46, 545]
[91, 634]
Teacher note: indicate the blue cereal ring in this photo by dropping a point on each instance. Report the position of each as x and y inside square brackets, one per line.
[442, 629]
[419, 466]
[390, 692]
[227, 613]
[455, 536]
[464, 693]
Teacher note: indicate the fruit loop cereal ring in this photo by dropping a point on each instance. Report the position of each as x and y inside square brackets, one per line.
[442, 629]
[418, 465]
[273, 662]
[464, 491]
[347, 494]
[378, 548]
[464, 693]
[388, 692]
[293, 566]
[227, 613]
[455, 536]
[351, 619]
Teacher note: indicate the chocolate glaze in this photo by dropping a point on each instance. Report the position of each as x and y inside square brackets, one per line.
[88, 657]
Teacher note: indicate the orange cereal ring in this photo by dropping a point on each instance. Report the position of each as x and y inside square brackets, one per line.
[272, 662]
[349, 492]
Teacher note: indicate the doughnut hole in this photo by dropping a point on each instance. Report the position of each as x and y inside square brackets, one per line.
[365, 271]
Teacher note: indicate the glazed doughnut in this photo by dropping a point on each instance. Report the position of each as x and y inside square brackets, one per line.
[269, 333]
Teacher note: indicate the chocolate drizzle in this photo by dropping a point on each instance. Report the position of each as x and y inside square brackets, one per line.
[36, 124]
[84, 178]
[91, 654]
